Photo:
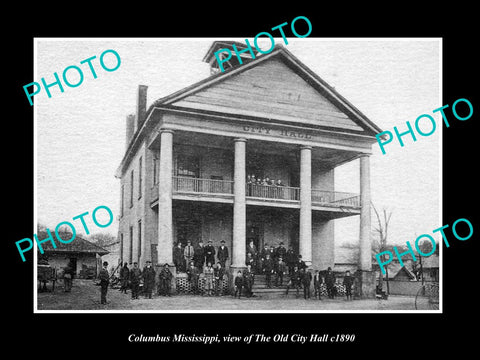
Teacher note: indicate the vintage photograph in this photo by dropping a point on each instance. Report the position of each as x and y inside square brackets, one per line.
[254, 186]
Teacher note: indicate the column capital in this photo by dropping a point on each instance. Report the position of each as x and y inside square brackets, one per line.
[240, 139]
[306, 147]
[170, 131]
[364, 156]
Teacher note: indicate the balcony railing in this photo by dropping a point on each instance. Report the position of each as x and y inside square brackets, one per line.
[273, 192]
[197, 185]
[183, 184]
[335, 198]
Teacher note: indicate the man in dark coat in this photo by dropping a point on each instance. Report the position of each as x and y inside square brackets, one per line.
[263, 256]
[135, 277]
[218, 274]
[165, 281]
[193, 276]
[178, 257]
[222, 254]
[68, 277]
[248, 280]
[250, 261]
[251, 248]
[306, 281]
[280, 270]
[148, 279]
[210, 253]
[290, 259]
[104, 281]
[199, 256]
[269, 268]
[295, 280]
[300, 263]
[348, 282]
[124, 278]
[238, 284]
[330, 282]
[317, 282]
[280, 251]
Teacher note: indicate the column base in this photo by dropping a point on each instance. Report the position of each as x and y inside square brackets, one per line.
[366, 283]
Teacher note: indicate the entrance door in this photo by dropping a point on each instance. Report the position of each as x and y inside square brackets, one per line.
[255, 233]
[188, 229]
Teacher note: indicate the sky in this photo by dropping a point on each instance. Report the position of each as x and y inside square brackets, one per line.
[80, 133]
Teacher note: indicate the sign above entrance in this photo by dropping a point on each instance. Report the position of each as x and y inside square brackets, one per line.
[281, 132]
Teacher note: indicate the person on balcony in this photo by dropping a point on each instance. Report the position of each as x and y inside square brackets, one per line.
[278, 190]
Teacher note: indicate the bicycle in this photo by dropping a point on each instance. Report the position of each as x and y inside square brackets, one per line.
[427, 297]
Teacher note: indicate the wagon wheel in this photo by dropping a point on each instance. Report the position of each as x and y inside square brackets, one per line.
[427, 297]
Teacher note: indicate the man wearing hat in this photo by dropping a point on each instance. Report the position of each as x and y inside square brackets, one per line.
[148, 279]
[165, 281]
[104, 281]
[199, 256]
[178, 257]
[209, 253]
[188, 253]
[222, 254]
[135, 276]
[280, 251]
[280, 270]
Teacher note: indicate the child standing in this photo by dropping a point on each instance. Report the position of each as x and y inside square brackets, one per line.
[208, 272]
[238, 284]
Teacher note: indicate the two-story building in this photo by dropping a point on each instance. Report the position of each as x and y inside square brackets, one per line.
[186, 173]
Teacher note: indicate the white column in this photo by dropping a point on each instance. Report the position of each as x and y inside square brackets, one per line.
[306, 204]
[239, 206]
[165, 222]
[365, 241]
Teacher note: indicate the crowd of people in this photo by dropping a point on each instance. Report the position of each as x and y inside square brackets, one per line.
[273, 262]
[266, 187]
[256, 180]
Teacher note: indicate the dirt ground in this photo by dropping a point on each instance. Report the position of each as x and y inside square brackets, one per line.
[85, 295]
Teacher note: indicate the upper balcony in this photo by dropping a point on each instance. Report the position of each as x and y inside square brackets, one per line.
[190, 188]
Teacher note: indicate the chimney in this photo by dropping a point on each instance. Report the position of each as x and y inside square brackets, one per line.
[141, 106]
[130, 129]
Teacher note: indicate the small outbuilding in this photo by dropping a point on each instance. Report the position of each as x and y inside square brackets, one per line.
[84, 256]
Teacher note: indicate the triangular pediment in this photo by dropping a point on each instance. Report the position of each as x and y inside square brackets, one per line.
[272, 90]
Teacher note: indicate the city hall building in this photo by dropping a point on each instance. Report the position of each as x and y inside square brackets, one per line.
[186, 172]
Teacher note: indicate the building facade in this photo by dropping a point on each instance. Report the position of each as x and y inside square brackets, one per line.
[186, 173]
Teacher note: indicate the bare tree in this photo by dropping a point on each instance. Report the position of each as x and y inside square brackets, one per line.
[382, 230]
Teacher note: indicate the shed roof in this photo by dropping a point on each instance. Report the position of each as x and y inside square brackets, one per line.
[77, 245]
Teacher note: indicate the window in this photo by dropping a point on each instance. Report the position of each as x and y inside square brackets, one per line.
[121, 247]
[140, 177]
[139, 240]
[131, 188]
[187, 165]
[122, 199]
[130, 255]
[155, 175]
